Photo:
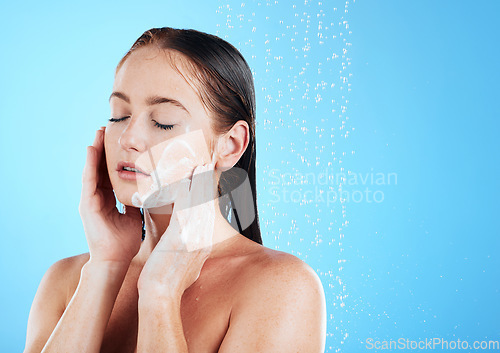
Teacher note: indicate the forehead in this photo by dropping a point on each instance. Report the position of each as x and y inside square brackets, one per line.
[153, 71]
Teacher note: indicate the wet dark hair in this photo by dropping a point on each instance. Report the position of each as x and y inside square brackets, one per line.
[225, 85]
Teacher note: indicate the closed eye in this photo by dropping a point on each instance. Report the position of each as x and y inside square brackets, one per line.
[164, 127]
[157, 124]
[118, 119]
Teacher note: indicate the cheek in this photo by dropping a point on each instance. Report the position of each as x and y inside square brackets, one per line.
[172, 161]
[111, 138]
[108, 148]
[176, 154]
[187, 147]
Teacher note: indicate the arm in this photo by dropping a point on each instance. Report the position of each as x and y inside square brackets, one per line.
[48, 305]
[80, 327]
[113, 242]
[160, 326]
[174, 265]
[282, 309]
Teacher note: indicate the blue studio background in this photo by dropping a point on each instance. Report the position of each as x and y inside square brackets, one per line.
[377, 156]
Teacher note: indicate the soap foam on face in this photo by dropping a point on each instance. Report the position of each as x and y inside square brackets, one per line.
[162, 188]
[167, 192]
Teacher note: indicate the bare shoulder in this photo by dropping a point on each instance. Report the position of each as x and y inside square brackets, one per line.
[66, 274]
[280, 302]
[274, 276]
[71, 263]
[268, 265]
[51, 299]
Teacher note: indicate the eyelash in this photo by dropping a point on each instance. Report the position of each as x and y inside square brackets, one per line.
[157, 124]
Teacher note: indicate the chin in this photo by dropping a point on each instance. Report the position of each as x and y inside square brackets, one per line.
[124, 190]
[127, 200]
[124, 194]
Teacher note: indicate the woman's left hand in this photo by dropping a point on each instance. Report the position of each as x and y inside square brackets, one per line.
[177, 259]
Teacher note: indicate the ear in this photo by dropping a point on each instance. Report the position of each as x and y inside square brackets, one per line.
[232, 145]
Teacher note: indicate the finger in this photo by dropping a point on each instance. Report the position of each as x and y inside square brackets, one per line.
[171, 238]
[212, 181]
[88, 183]
[199, 185]
[203, 209]
[206, 238]
[89, 177]
[182, 200]
[98, 141]
[207, 192]
[203, 185]
[98, 145]
[196, 172]
[103, 181]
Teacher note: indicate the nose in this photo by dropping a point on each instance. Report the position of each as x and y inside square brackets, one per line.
[134, 136]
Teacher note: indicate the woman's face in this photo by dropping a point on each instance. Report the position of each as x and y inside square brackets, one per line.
[164, 130]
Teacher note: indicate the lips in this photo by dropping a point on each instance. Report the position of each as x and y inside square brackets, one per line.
[124, 164]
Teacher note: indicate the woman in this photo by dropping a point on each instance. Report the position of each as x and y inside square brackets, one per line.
[183, 120]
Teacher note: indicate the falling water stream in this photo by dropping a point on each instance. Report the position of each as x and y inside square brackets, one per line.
[299, 55]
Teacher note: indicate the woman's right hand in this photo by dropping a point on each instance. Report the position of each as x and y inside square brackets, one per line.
[111, 236]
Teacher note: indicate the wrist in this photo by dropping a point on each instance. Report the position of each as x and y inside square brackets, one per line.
[108, 269]
[155, 300]
[153, 288]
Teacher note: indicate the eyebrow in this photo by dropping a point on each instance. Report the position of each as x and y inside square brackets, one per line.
[152, 100]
